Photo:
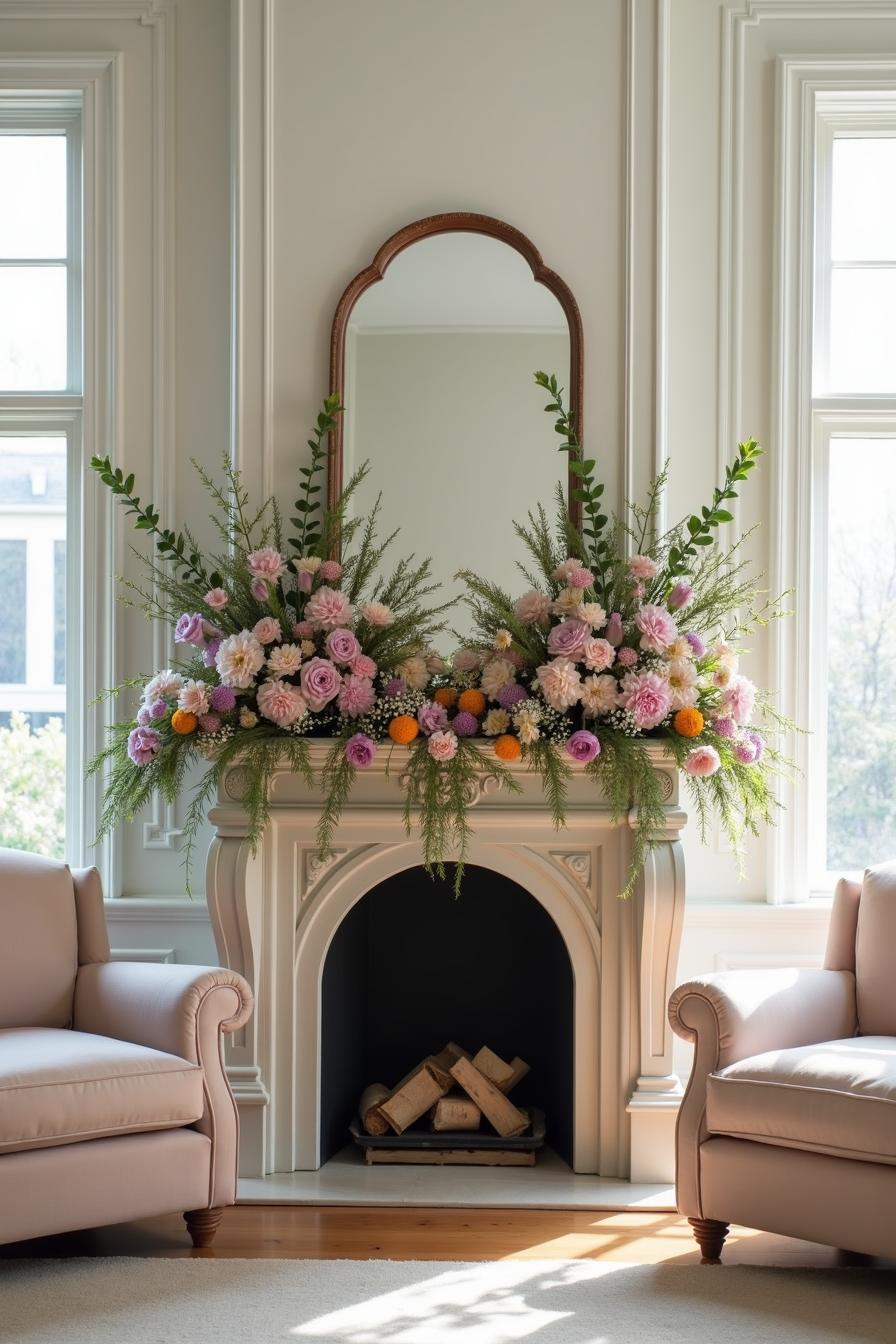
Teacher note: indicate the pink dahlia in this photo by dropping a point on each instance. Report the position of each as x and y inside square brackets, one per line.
[329, 608]
[560, 683]
[362, 666]
[533, 608]
[657, 628]
[281, 702]
[646, 696]
[737, 700]
[357, 696]
[266, 564]
[581, 578]
[642, 567]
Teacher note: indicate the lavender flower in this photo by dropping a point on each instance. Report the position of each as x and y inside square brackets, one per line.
[143, 743]
[360, 750]
[222, 699]
[696, 644]
[583, 746]
[432, 717]
[464, 724]
[512, 695]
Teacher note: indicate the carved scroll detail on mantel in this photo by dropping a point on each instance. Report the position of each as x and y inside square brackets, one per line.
[315, 867]
[667, 784]
[474, 790]
[236, 784]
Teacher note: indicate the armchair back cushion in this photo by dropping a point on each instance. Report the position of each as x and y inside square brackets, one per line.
[876, 952]
[38, 941]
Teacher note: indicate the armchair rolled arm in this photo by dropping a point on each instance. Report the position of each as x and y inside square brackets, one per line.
[183, 1010]
[736, 1014]
[744, 1013]
[160, 1006]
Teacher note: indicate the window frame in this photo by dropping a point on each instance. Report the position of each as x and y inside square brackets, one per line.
[817, 101]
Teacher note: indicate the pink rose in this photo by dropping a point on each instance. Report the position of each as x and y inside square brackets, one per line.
[598, 654]
[266, 630]
[362, 666]
[442, 746]
[647, 697]
[281, 702]
[216, 598]
[342, 646]
[356, 697]
[432, 717]
[190, 629]
[702, 761]
[583, 746]
[533, 608]
[329, 609]
[267, 563]
[360, 750]
[657, 627]
[331, 571]
[303, 630]
[567, 640]
[320, 682]
[614, 631]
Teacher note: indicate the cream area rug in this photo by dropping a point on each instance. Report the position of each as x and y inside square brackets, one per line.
[204, 1301]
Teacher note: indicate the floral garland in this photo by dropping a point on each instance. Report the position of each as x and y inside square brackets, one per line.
[281, 642]
[623, 638]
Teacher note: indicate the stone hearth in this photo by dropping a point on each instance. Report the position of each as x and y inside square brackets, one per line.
[276, 914]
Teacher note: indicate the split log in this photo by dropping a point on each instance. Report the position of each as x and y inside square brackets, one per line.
[455, 1112]
[451, 1053]
[415, 1094]
[499, 1110]
[520, 1069]
[496, 1069]
[369, 1109]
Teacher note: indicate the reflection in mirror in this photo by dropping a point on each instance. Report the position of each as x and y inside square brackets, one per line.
[439, 395]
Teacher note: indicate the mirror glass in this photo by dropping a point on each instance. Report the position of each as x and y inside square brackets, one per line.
[439, 395]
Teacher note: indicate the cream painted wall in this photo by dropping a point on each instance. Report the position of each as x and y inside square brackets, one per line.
[459, 445]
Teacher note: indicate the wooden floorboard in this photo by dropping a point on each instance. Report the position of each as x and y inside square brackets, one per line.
[327, 1233]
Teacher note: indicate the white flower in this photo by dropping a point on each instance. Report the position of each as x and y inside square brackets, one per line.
[308, 564]
[593, 613]
[247, 718]
[307, 647]
[599, 695]
[238, 659]
[495, 676]
[567, 602]
[503, 639]
[377, 614]
[163, 686]
[496, 722]
[526, 723]
[284, 660]
[679, 648]
[193, 697]
[683, 682]
[414, 671]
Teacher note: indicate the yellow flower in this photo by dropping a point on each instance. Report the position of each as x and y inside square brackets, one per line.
[496, 721]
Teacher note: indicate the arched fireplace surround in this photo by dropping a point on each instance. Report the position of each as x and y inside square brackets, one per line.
[275, 916]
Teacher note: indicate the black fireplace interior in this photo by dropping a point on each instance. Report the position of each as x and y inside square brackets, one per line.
[411, 968]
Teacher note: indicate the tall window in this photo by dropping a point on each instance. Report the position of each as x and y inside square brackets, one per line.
[40, 411]
[852, 779]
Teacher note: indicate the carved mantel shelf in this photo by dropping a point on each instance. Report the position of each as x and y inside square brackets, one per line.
[275, 914]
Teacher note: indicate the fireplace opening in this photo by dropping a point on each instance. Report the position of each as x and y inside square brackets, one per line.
[410, 968]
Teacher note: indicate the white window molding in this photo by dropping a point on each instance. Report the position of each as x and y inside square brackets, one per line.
[86, 412]
[813, 97]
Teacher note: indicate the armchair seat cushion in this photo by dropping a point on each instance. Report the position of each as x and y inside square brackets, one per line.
[836, 1097]
[59, 1086]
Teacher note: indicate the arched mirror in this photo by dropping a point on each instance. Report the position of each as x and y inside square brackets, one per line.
[433, 352]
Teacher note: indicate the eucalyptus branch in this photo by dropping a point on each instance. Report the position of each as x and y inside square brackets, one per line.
[307, 506]
[700, 528]
[173, 546]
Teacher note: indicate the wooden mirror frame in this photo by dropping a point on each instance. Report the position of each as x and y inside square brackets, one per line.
[458, 221]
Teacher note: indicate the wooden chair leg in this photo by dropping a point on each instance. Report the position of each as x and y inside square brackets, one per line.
[710, 1236]
[202, 1224]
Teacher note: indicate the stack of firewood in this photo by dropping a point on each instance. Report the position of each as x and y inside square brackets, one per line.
[455, 1089]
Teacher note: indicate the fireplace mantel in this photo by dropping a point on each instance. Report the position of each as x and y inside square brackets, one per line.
[275, 913]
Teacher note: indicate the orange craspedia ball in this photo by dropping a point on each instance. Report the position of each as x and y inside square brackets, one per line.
[183, 723]
[403, 729]
[471, 701]
[688, 722]
[446, 696]
[507, 747]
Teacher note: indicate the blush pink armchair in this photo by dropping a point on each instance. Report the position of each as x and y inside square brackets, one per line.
[789, 1119]
[114, 1103]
